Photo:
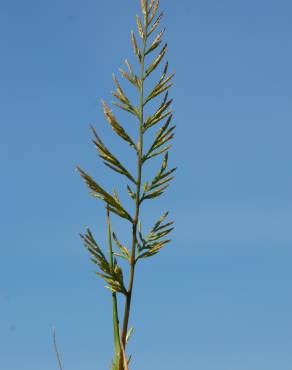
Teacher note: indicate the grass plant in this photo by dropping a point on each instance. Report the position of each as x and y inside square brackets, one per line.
[154, 133]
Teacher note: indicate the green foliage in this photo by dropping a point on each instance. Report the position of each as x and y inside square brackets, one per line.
[145, 45]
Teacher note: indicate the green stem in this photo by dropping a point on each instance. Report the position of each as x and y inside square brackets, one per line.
[137, 206]
[114, 296]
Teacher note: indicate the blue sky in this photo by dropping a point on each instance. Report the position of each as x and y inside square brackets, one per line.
[219, 297]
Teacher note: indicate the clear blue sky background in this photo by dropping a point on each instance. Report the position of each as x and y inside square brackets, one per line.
[219, 298]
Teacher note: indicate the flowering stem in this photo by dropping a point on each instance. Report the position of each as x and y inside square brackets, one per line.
[138, 192]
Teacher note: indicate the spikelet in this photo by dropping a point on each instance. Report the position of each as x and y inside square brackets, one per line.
[110, 160]
[156, 42]
[156, 61]
[156, 24]
[140, 27]
[135, 46]
[144, 8]
[151, 5]
[117, 128]
[99, 192]
[154, 11]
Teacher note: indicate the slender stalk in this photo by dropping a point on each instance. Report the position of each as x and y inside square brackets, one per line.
[138, 192]
[58, 356]
[114, 295]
